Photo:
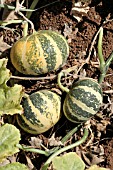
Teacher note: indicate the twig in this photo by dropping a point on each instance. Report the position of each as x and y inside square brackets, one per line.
[33, 78]
[25, 9]
[92, 44]
[90, 50]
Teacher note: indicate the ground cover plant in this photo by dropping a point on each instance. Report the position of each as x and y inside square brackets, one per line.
[87, 28]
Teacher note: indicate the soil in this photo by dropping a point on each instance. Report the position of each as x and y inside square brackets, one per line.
[59, 16]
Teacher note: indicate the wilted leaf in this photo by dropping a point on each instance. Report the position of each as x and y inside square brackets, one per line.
[10, 97]
[95, 167]
[9, 137]
[14, 166]
[69, 161]
[3, 45]
[79, 10]
[54, 141]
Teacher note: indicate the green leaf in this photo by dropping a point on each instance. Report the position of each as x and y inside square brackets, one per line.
[10, 97]
[69, 161]
[14, 166]
[9, 138]
[95, 167]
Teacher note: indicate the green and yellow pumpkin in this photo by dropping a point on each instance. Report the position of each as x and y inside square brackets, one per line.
[83, 100]
[39, 53]
[42, 110]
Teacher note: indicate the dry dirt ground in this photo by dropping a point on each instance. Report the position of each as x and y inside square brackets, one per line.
[59, 16]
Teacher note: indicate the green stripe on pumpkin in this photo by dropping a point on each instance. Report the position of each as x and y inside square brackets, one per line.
[26, 54]
[84, 93]
[49, 50]
[35, 57]
[61, 43]
[89, 82]
[25, 126]
[77, 109]
[72, 116]
[52, 97]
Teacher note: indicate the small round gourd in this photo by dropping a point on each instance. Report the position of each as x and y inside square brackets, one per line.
[39, 53]
[42, 110]
[83, 100]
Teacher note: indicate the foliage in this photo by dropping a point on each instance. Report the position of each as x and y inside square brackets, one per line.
[10, 97]
[69, 161]
[95, 167]
[14, 166]
[9, 137]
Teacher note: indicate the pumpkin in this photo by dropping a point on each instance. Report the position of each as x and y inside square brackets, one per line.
[83, 100]
[39, 53]
[42, 110]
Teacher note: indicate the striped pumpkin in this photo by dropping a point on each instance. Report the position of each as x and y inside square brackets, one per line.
[83, 100]
[41, 112]
[39, 53]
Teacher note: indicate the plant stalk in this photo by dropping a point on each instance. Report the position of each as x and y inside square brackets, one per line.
[62, 73]
[103, 65]
[101, 58]
[51, 151]
[25, 29]
[33, 5]
[29, 149]
[45, 166]
[4, 23]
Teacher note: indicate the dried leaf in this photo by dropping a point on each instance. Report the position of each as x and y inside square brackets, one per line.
[69, 33]
[3, 45]
[97, 160]
[35, 141]
[8, 15]
[79, 10]
[54, 141]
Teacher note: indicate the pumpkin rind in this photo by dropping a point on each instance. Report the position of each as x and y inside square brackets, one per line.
[42, 110]
[83, 100]
[39, 53]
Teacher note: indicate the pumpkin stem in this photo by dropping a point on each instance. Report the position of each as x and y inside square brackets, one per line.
[79, 142]
[63, 73]
[25, 30]
[103, 65]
